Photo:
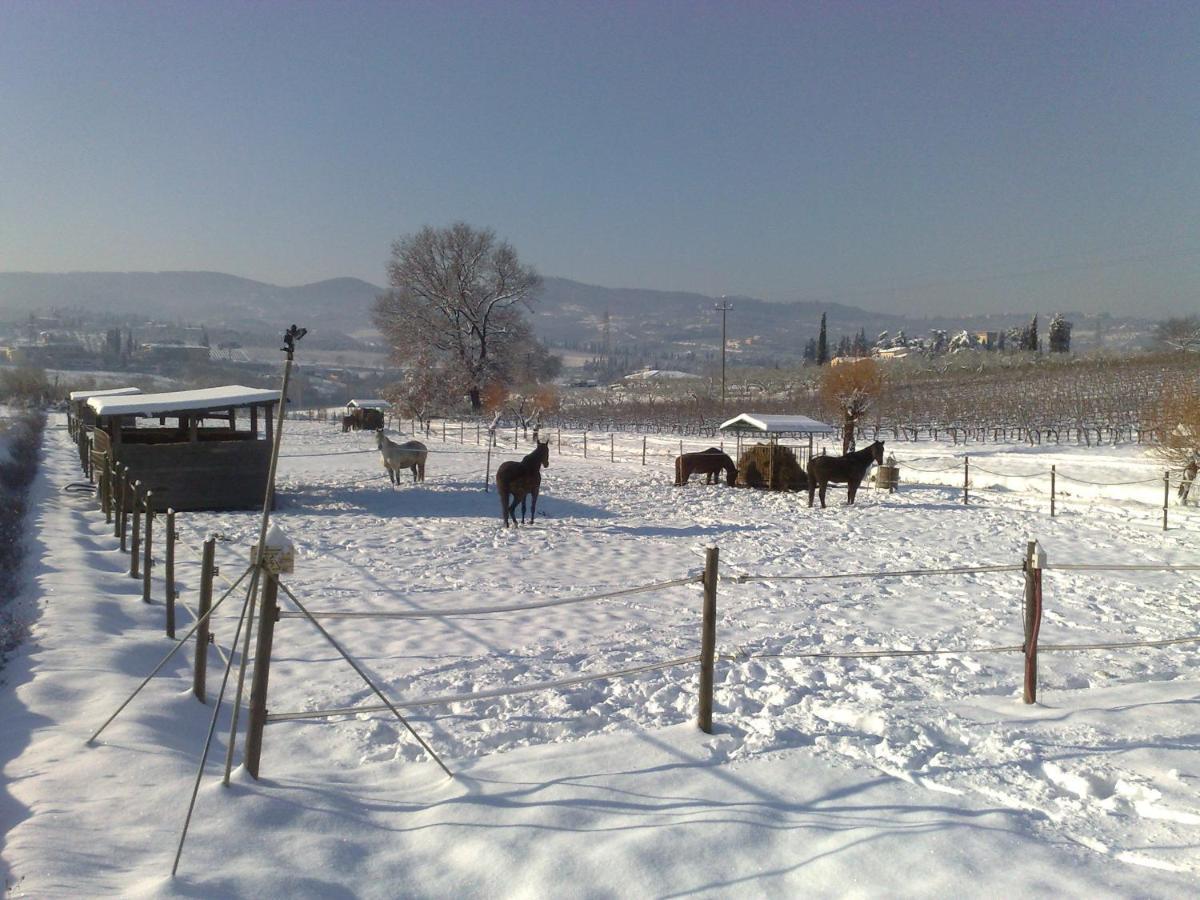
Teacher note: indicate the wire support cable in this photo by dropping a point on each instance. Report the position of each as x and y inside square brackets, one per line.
[488, 610]
[485, 695]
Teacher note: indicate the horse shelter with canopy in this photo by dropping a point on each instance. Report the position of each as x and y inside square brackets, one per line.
[169, 443]
[774, 427]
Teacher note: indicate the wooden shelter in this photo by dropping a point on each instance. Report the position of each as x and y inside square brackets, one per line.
[81, 419]
[78, 411]
[367, 415]
[170, 443]
[773, 427]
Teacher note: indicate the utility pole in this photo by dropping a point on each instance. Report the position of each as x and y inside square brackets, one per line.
[723, 308]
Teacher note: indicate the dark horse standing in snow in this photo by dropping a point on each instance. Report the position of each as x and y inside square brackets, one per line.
[711, 462]
[516, 480]
[848, 470]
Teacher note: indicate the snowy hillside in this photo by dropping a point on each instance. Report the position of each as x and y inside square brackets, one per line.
[860, 776]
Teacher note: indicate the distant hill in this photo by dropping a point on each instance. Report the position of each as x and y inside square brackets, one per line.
[218, 300]
[678, 326]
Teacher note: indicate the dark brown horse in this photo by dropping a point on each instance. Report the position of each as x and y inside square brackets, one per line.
[849, 470]
[516, 480]
[710, 462]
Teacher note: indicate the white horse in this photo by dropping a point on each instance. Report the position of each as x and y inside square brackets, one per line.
[409, 455]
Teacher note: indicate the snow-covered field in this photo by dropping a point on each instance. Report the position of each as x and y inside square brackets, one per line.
[912, 776]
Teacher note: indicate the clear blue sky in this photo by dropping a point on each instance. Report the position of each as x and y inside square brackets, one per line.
[918, 156]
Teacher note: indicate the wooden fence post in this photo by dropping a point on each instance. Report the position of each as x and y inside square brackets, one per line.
[487, 474]
[207, 571]
[612, 453]
[119, 512]
[268, 615]
[643, 449]
[560, 442]
[169, 572]
[135, 543]
[1166, 495]
[708, 639]
[585, 444]
[476, 433]
[462, 430]
[1035, 559]
[1053, 475]
[516, 439]
[106, 492]
[148, 548]
[966, 479]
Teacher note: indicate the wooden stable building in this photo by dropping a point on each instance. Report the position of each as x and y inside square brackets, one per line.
[195, 450]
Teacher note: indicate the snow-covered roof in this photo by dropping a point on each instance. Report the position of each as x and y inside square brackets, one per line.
[775, 424]
[111, 392]
[232, 395]
[368, 404]
[656, 374]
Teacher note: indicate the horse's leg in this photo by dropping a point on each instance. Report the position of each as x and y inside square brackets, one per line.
[852, 489]
[533, 508]
[414, 471]
[821, 490]
[524, 506]
[503, 504]
[812, 487]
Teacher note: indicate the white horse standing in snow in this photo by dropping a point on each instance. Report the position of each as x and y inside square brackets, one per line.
[409, 455]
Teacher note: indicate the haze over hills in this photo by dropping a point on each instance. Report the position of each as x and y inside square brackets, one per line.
[568, 314]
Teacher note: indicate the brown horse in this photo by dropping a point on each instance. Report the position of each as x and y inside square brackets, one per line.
[516, 480]
[848, 470]
[710, 462]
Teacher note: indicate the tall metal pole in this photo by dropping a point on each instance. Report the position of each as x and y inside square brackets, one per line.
[290, 337]
[723, 308]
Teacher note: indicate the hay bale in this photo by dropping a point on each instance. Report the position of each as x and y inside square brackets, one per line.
[756, 466]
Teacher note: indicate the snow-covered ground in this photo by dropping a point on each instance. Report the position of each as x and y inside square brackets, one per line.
[913, 776]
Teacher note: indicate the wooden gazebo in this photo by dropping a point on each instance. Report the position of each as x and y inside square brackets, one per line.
[206, 449]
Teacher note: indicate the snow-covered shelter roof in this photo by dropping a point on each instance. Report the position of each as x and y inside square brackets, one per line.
[111, 392]
[775, 424]
[227, 397]
[368, 404]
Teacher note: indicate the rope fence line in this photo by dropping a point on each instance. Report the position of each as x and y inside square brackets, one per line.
[1121, 567]
[741, 578]
[487, 695]
[490, 610]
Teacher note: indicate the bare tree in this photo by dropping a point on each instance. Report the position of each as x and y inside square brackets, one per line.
[1180, 334]
[422, 393]
[459, 293]
[851, 388]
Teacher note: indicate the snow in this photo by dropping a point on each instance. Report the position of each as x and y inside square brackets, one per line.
[368, 404]
[111, 392]
[918, 776]
[775, 424]
[182, 401]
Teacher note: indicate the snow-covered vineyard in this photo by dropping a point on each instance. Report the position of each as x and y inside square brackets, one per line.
[832, 770]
